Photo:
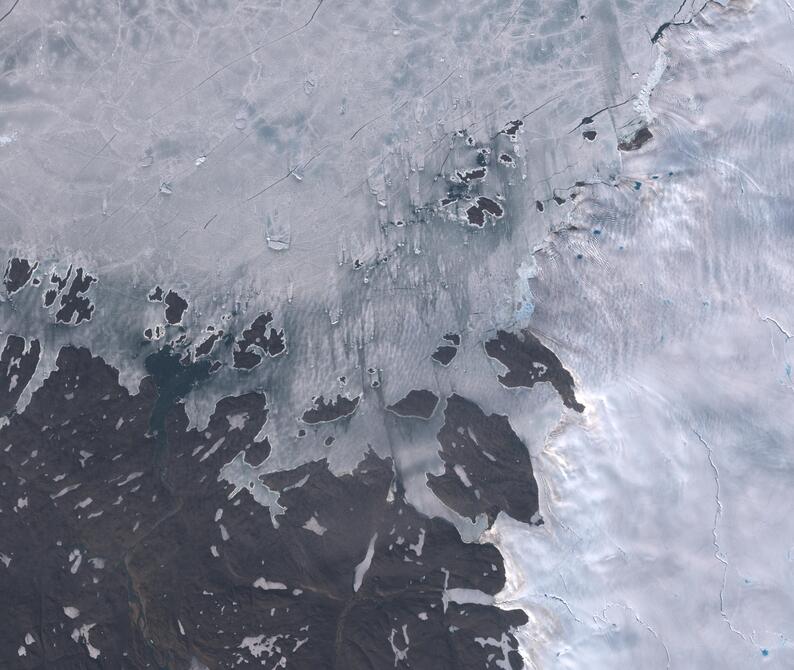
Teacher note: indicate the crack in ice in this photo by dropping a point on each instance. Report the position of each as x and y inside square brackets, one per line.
[715, 537]
[552, 596]
[639, 620]
[769, 319]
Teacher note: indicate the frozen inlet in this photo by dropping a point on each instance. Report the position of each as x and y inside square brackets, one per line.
[244, 476]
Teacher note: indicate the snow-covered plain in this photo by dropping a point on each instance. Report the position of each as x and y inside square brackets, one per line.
[669, 539]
